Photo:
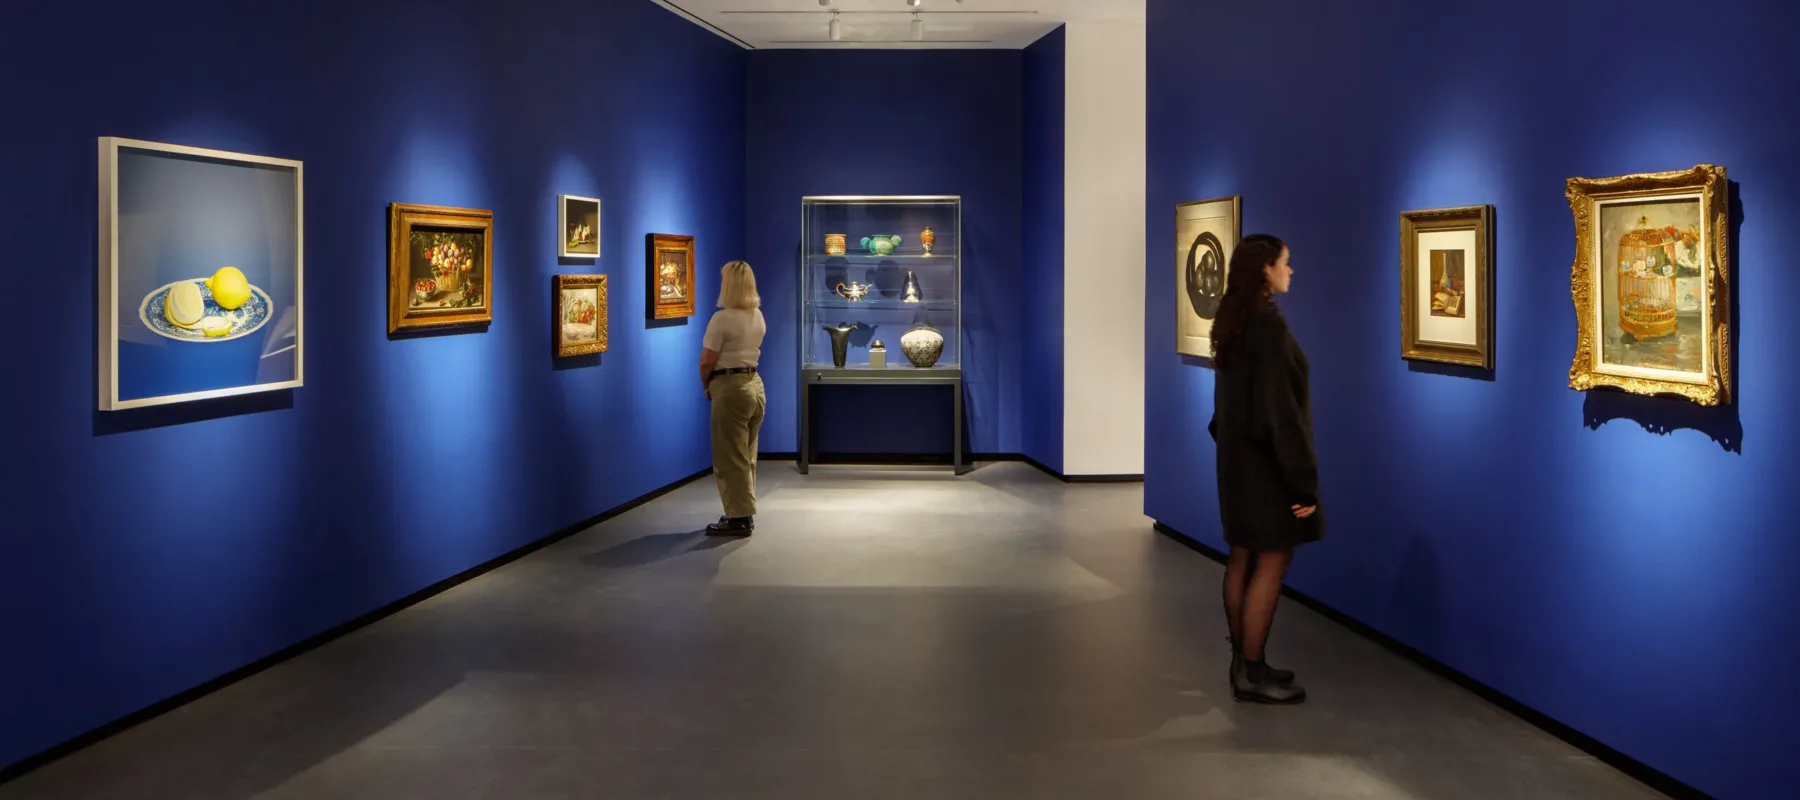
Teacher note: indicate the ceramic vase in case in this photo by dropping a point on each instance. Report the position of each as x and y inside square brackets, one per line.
[923, 345]
[834, 244]
[927, 238]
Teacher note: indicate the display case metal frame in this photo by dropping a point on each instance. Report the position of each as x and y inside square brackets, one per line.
[812, 375]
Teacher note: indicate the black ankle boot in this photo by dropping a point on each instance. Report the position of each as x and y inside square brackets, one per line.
[732, 526]
[1281, 676]
[1258, 686]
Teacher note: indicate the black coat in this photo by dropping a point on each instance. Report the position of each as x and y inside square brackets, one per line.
[1262, 423]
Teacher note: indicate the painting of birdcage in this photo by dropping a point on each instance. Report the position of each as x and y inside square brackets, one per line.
[1650, 283]
[578, 309]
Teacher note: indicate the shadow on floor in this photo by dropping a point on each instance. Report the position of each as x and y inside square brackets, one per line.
[654, 548]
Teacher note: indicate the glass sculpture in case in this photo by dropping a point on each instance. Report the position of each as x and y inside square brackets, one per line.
[880, 274]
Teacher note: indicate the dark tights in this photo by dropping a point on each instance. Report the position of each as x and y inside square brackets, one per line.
[1252, 587]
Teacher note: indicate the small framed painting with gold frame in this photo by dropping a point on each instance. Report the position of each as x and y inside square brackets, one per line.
[578, 305]
[1447, 286]
[671, 268]
[1651, 284]
[440, 266]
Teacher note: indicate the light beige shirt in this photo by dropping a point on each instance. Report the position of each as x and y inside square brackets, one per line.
[737, 335]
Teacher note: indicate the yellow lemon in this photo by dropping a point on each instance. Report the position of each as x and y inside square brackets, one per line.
[215, 326]
[230, 288]
[184, 306]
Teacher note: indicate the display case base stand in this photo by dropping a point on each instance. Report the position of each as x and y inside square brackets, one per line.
[836, 376]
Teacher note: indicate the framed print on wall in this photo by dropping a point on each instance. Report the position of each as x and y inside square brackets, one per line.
[1206, 233]
[578, 305]
[1651, 284]
[200, 274]
[579, 220]
[671, 281]
[440, 266]
[1447, 286]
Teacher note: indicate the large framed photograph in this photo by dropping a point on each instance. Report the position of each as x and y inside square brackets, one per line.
[440, 266]
[579, 220]
[1651, 284]
[1206, 233]
[671, 265]
[200, 274]
[1447, 286]
[578, 305]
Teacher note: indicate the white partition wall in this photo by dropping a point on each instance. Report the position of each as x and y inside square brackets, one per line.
[1103, 245]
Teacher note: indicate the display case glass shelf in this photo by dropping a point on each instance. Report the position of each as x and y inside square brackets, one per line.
[890, 270]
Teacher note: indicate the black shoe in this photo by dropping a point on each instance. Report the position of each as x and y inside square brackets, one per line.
[1280, 676]
[732, 526]
[1255, 684]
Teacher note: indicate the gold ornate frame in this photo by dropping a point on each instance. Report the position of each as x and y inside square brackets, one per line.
[557, 285]
[1479, 219]
[654, 245]
[1712, 384]
[402, 217]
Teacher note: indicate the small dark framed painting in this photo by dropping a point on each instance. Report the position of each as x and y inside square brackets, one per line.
[671, 265]
[440, 266]
[579, 220]
[578, 305]
[1447, 286]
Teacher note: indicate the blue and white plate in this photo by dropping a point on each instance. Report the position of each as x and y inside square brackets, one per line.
[244, 321]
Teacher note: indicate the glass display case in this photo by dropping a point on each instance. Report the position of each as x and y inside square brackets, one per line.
[880, 297]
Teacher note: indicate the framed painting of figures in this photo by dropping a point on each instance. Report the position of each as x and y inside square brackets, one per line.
[1206, 232]
[579, 220]
[578, 305]
[1651, 284]
[1447, 286]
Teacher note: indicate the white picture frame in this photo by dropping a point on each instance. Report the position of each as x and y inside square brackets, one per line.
[567, 245]
[184, 208]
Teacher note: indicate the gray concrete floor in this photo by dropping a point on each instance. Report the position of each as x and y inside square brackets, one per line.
[889, 633]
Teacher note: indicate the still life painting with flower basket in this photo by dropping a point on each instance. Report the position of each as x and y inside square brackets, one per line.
[439, 266]
[1651, 284]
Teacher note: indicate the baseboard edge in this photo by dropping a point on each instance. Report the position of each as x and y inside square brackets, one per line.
[105, 731]
[1641, 772]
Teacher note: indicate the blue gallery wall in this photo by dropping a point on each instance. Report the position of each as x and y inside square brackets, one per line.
[880, 123]
[147, 552]
[1041, 408]
[1625, 565]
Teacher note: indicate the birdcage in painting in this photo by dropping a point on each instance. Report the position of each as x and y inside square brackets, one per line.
[1648, 261]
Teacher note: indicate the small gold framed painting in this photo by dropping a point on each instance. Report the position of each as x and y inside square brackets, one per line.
[1447, 286]
[578, 305]
[671, 267]
[440, 266]
[1651, 284]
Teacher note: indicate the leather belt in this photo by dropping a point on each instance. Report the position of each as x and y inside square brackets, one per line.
[732, 371]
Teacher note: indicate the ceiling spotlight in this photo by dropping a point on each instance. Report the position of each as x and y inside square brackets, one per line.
[836, 32]
[828, 2]
[914, 3]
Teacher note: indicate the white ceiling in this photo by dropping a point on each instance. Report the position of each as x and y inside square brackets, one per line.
[863, 24]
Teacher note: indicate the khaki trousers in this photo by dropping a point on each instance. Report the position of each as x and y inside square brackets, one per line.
[737, 414]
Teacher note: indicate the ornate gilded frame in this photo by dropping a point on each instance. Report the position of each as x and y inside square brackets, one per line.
[557, 285]
[1479, 220]
[654, 245]
[1712, 384]
[402, 218]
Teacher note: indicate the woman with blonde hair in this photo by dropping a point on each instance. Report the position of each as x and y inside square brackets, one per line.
[728, 358]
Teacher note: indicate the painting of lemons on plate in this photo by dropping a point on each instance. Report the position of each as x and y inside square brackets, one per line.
[200, 273]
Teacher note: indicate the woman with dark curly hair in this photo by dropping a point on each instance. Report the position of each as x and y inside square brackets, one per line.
[1268, 472]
